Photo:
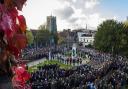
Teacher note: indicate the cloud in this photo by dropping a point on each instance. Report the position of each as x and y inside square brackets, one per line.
[92, 20]
[91, 4]
[64, 13]
[72, 20]
[81, 4]
[95, 19]
[78, 13]
[74, 1]
[70, 13]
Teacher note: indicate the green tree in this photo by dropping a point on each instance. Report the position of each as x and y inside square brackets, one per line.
[109, 37]
[60, 39]
[30, 37]
[124, 41]
[43, 36]
[126, 23]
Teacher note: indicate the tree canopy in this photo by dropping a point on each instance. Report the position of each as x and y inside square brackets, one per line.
[112, 37]
[30, 37]
[42, 36]
[60, 39]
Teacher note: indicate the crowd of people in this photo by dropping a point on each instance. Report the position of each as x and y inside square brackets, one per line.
[102, 72]
[52, 77]
[35, 53]
[32, 53]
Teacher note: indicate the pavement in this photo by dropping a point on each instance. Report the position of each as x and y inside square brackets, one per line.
[33, 63]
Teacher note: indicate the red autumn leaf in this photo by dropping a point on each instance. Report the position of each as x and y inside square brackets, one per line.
[15, 51]
[22, 74]
[20, 41]
[20, 70]
[22, 23]
[19, 4]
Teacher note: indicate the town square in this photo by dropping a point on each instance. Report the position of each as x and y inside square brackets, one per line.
[63, 44]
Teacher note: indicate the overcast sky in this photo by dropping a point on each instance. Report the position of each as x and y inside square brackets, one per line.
[74, 13]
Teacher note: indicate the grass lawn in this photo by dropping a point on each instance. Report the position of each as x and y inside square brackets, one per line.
[49, 62]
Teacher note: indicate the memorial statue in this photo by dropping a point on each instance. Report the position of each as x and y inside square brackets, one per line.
[74, 54]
